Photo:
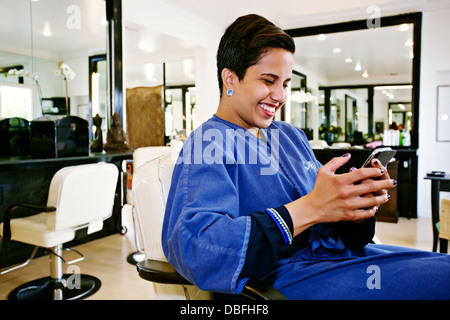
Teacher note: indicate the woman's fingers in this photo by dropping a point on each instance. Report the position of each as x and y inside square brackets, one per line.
[335, 163]
[350, 196]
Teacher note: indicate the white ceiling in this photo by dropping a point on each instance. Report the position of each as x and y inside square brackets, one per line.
[15, 32]
[383, 54]
[17, 23]
[287, 13]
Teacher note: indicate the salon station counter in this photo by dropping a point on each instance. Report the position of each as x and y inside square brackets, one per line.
[26, 180]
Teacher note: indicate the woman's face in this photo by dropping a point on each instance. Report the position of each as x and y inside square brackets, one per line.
[262, 91]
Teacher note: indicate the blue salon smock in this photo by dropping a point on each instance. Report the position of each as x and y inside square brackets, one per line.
[216, 233]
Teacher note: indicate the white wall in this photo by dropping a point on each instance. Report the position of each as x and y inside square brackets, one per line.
[435, 58]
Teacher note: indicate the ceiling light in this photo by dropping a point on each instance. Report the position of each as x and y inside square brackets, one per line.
[321, 37]
[383, 88]
[365, 74]
[348, 60]
[403, 27]
[337, 50]
[409, 43]
[47, 31]
[142, 44]
[411, 55]
[358, 66]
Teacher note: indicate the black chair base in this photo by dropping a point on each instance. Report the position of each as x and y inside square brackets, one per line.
[163, 272]
[42, 289]
[135, 257]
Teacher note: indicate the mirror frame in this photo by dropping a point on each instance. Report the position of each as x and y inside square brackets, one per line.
[93, 61]
[115, 57]
[415, 19]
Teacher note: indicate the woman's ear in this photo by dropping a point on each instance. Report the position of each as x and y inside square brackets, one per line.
[228, 78]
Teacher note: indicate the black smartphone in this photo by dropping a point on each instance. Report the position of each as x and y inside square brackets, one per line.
[384, 155]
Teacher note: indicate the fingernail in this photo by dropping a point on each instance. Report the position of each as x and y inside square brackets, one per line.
[394, 182]
[388, 196]
[352, 169]
[346, 155]
[375, 162]
[382, 171]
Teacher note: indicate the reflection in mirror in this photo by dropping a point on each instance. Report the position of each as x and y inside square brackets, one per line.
[98, 95]
[393, 111]
[179, 111]
[349, 66]
[351, 117]
[17, 87]
[154, 59]
[40, 36]
[298, 109]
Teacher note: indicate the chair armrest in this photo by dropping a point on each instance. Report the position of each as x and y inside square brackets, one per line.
[10, 211]
[164, 272]
[256, 289]
[160, 272]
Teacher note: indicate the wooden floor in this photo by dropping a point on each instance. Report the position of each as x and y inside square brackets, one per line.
[106, 259]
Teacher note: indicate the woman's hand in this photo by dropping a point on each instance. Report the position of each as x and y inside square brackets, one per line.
[353, 196]
[376, 164]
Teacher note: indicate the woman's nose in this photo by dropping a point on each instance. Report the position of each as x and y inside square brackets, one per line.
[278, 93]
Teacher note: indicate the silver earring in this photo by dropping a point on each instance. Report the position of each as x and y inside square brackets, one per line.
[230, 92]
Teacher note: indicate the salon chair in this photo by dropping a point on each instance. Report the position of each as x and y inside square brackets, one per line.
[153, 167]
[80, 198]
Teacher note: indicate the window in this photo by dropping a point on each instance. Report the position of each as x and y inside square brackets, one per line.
[16, 101]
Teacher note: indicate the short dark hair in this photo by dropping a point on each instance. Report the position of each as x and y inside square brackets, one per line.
[245, 41]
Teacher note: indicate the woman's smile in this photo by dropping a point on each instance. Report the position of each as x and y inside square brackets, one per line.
[268, 109]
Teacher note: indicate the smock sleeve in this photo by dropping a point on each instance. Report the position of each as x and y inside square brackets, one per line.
[266, 243]
[204, 237]
[356, 235]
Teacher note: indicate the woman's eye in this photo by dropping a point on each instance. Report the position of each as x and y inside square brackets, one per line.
[269, 81]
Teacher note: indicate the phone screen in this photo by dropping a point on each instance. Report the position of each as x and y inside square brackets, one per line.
[384, 155]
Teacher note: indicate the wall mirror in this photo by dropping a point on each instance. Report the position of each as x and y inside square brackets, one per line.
[42, 40]
[153, 59]
[298, 109]
[365, 79]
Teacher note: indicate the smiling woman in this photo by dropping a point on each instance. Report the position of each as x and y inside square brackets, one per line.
[299, 227]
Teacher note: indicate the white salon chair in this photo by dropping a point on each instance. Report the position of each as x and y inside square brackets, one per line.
[153, 167]
[80, 198]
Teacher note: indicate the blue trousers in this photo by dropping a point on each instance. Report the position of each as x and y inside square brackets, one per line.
[377, 272]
